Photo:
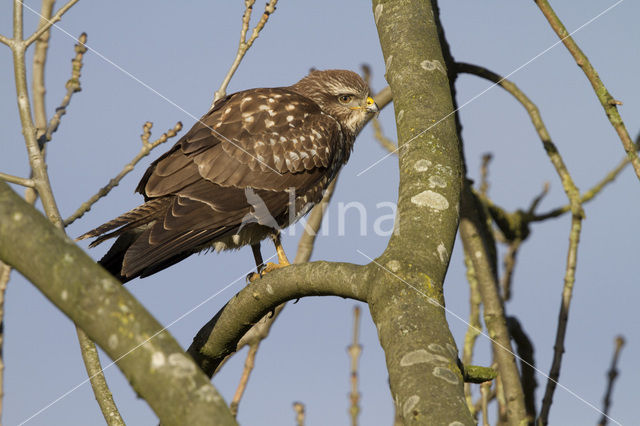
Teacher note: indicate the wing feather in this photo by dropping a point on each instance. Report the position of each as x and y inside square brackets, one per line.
[268, 140]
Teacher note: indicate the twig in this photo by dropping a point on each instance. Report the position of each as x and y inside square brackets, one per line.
[27, 182]
[308, 239]
[39, 61]
[386, 143]
[609, 104]
[245, 44]
[484, 173]
[249, 363]
[298, 407]
[144, 151]
[527, 365]
[612, 375]
[509, 263]
[485, 389]
[98, 383]
[5, 273]
[354, 350]
[587, 195]
[567, 182]
[501, 401]
[6, 40]
[509, 260]
[563, 317]
[72, 86]
[474, 328]
[536, 201]
[478, 403]
[44, 28]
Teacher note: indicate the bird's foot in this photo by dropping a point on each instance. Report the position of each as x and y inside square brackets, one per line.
[267, 268]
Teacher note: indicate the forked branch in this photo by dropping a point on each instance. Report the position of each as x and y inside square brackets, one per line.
[245, 44]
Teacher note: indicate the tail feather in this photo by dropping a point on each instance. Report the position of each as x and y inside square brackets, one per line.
[141, 215]
[113, 259]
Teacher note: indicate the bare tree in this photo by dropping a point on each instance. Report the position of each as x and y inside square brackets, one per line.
[430, 379]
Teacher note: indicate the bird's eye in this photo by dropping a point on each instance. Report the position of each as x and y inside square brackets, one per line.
[345, 99]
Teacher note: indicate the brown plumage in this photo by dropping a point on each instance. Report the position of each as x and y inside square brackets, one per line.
[255, 163]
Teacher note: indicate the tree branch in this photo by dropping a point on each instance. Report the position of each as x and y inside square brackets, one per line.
[563, 318]
[176, 389]
[473, 232]
[612, 375]
[27, 182]
[39, 61]
[354, 350]
[72, 86]
[44, 28]
[474, 329]
[245, 44]
[98, 382]
[573, 194]
[587, 195]
[527, 364]
[609, 104]
[567, 182]
[5, 40]
[249, 363]
[43, 187]
[220, 336]
[144, 151]
[298, 407]
[419, 349]
[5, 274]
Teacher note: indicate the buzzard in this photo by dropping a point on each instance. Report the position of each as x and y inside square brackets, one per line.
[252, 165]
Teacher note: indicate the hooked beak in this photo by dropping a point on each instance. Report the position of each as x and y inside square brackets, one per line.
[371, 106]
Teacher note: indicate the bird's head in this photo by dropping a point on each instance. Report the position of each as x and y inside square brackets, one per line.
[341, 94]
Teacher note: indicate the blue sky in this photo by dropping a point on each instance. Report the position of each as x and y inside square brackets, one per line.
[183, 50]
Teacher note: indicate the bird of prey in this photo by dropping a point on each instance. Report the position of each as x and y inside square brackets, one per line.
[252, 165]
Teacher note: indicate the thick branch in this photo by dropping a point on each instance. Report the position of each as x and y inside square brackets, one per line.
[419, 349]
[473, 232]
[609, 104]
[220, 336]
[150, 358]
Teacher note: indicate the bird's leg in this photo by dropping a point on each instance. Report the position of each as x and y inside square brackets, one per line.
[282, 259]
[257, 255]
[282, 256]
